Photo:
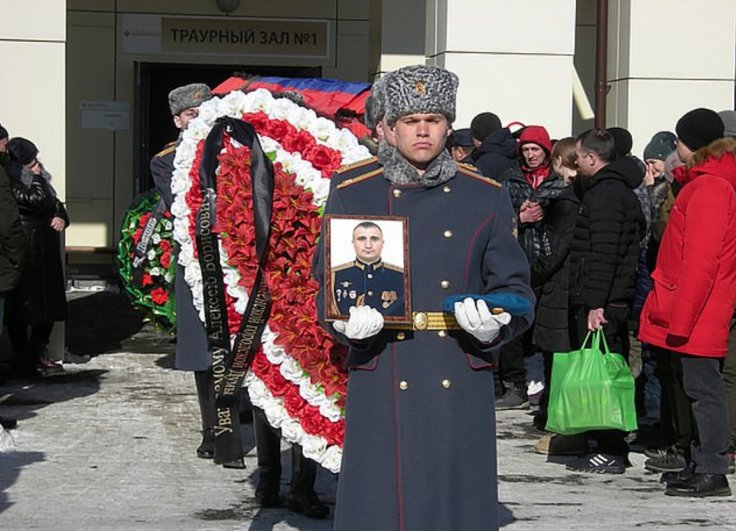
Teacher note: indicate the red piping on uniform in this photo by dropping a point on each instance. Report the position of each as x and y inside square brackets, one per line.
[396, 438]
[470, 247]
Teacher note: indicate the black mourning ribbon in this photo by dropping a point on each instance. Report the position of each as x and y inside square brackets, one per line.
[230, 363]
[141, 249]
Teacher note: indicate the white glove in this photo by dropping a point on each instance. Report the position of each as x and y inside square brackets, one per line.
[476, 319]
[364, 322]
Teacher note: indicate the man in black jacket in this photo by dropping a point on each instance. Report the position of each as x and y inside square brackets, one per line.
[12, 242]
[608, 230]
[495, 147]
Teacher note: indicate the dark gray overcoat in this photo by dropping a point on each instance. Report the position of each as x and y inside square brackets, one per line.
[420, 440]
[192, 353]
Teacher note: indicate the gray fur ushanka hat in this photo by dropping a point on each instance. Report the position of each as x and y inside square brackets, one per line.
[188, 96]
[420, 89]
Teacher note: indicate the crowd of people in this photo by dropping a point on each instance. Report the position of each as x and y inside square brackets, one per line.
[32, 286]
[643, 248]
[580, 229]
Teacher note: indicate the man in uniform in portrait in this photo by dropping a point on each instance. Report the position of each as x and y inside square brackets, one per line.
[419, 449]
[368, 280]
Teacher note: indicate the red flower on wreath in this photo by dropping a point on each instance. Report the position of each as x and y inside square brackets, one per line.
[165, 258]
[147, 279]
[159, 296]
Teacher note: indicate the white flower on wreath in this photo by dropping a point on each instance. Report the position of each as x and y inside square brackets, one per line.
[155, 272]
[301, 117]
[331, 458]
[322, 128]
[280, 109]
[259, 100]
[233, 104]
[151, 254]
[156, 238]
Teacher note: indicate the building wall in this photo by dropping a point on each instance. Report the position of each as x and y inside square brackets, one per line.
[511, 60]
[33, 51]
[108, 38]
[659, 72]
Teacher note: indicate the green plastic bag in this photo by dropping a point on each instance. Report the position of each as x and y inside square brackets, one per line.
[591, 389]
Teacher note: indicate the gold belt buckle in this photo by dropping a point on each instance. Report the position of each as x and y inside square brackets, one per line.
[420, 320]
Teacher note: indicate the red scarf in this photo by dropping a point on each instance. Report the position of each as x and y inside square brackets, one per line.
[536, 176]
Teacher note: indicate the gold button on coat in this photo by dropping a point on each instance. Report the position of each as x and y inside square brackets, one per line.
[370, 275]
[445, 284]
[442, 333]
[446, 384]
[403, 385]
[446, 189]
[370, 294]
[447, 234]
[397, 193]
[401, 336]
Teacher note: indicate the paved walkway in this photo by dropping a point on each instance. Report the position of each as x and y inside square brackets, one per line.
[110, 445]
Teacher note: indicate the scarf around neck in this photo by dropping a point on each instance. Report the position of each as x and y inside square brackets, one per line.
[398, 170]
[536, 176]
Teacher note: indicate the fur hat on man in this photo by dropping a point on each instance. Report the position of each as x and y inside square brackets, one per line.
[22, 150]
[660, 146]
[698, 128]
[484, 124]
[536, 134]
[421, 89]
[188, 97]
[375, 105]
[729, 123]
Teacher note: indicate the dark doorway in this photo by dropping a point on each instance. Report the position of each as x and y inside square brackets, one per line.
[154, 127]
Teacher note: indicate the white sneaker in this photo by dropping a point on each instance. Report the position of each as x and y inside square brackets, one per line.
[533, 388]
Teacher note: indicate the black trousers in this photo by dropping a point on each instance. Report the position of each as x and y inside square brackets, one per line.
[268, 447]
[678, 426]
[729, 381]
[616, 332]
[703, 384]
[511, 368]
[27, 347]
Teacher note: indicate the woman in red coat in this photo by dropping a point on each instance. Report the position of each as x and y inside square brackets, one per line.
[689, 310]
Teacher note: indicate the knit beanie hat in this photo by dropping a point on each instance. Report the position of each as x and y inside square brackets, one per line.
[698, 128]
[536, 134]
[22, 150]
[660, 146]
[622, 140]
[484, 124]
[3, 132]
[729, 123]
[421, 89]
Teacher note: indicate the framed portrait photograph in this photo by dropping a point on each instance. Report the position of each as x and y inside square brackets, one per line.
[367, 264]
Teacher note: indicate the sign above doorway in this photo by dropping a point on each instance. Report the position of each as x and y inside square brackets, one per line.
[245, 37]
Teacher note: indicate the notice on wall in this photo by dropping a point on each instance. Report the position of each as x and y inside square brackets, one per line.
[297, 38]
[110, 115]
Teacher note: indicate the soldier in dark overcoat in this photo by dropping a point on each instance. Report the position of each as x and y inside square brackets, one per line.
[192, 352]
[419, 449]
